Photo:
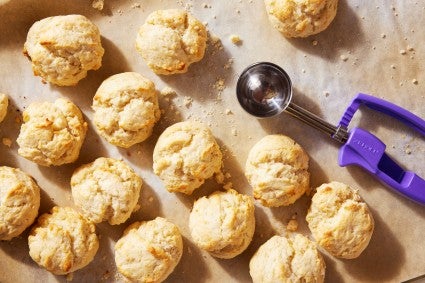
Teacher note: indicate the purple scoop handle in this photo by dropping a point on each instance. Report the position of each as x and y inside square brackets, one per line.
[366, 150]
[383, 106]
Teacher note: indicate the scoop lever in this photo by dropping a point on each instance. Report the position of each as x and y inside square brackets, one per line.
[366, 150]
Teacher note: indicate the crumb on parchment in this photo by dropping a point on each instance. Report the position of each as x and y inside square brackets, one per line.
[235, 39]
[7, 142]
[98, 4]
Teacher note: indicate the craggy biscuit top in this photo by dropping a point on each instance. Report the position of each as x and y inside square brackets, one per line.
[340, 220]
[149, 250]
[106, 189]
[4, 102]
[52, 133]
[277, 169]
[19, 202]
[170, 40]
[223, 223]
[185, 155]
[63, 241]
[63, 48]
[126, 109]
[301, 18]
[287, 259]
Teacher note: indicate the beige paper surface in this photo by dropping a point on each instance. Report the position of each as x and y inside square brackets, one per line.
[359, 52]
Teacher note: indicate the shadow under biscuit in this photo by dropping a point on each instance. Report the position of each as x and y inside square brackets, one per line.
[9, 131]
[344, 33]
[102, 268]
[91, 149]
[205, 79]
[263, 232]
[21, 254]
[113, 62]
[382, 259]
[192, 266]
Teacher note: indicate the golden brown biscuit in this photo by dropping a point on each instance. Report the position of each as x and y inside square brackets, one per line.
[19, 202]
[149, 251]
[126, 109]
[277, 170]
[52, 133]
[63, 48]
[185, 155]
[106, 189]
[170, 40]
[223, 223]
[339, 220]
[63, 241]
[287, 259]
[4, 102]
[301, 18]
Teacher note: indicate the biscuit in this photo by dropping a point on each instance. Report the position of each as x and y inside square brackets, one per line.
[287, 259]
[149, 251]
[106, 189]
[4, 102]
[170, 40]
[277, 170]
[301, 18]
[63, 48]
[126, 109]
[185, 155]
[52, 133]
[339, 220]
[63, 241]
[19, 202]
[223, 223]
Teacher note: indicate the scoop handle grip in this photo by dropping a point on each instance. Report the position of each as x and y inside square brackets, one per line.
[383, 106]
[366, 150]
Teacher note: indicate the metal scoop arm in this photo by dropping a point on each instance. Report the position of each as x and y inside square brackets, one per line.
[366, 150]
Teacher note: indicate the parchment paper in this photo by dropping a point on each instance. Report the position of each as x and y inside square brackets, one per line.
[360, 52]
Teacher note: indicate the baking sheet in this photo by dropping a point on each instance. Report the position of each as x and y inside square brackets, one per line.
[360, 52]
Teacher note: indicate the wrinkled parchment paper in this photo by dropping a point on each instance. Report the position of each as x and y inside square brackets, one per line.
[375, 47]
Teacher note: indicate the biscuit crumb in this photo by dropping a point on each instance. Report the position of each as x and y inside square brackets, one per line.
[415, 81]
[70, 276]
[7, 142]
[326, 93]
[234, 132]
[136, 208]
[229, 112]
[219, 177]
[216, 42]
[292, 225]
[188, 101]
[314, 42]
[403, 52]
[219, 84]
[392, 66]
[228, 64]
[344, 57]
[383, 35]
[408, 150]
[168, 91]
[410, 48]
[150, 199]
[98, 4]
[228, 186]
[106, 275]
[235, 39]
[136, 5]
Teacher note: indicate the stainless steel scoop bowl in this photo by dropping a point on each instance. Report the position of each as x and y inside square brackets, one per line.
[265, 90]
